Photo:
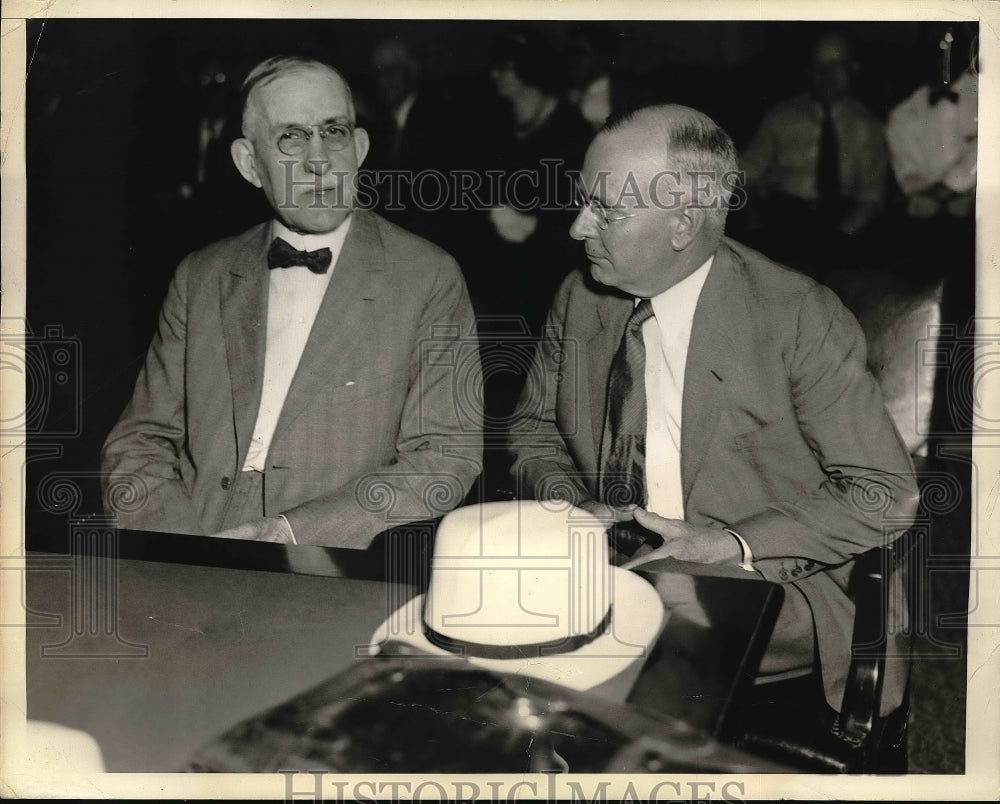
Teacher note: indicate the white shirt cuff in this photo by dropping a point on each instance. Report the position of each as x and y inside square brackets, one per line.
[747, 562]
[288, 526]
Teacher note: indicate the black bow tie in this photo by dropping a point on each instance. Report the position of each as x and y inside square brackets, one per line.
[283, 255]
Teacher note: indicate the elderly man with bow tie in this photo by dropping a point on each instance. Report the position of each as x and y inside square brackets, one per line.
[314, 380]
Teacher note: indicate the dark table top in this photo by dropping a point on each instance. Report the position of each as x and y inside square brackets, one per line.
[156, 658]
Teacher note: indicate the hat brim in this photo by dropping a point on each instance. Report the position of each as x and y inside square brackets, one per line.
[637, 618]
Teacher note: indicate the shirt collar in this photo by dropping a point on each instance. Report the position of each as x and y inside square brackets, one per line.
[816, 105]
[678, 301]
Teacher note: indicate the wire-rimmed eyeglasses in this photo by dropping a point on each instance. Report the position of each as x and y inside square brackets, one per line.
[335, 136]
[602, 214]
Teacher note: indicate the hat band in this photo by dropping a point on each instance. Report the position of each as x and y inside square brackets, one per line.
[482, 650]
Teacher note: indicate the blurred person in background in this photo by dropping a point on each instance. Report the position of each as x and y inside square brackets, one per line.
[816, 169]
[591, 57]
[933, 136]
[541, 139]
[418, 137]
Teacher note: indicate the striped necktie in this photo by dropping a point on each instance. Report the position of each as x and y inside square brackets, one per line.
[623, 443]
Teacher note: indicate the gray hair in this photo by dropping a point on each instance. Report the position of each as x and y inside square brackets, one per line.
[269, 69]
[694, 145]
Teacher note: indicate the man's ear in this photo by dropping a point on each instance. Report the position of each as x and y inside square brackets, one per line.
[361, 144]
[243, 157]
[688, 223]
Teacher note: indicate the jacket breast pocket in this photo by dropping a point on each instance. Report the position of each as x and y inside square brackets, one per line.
[366, 389]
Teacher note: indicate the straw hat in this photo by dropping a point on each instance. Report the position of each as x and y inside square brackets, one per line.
[526, 587]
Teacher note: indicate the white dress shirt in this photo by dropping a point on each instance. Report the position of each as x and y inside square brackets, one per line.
[666, 336]
[936, 143]
[293, 299]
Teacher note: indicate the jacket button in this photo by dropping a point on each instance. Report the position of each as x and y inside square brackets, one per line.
[797, 572]
[784, 575]
[226, 483]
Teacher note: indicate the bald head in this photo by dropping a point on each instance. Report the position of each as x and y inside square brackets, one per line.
[687, 141]
[659, 183]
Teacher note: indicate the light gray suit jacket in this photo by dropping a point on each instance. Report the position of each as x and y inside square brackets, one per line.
[382, 423]
[784, 435]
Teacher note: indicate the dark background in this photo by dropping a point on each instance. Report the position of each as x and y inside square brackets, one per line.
[112, 114]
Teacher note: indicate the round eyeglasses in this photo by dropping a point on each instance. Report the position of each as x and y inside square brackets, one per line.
[335, 136]
[604, 216]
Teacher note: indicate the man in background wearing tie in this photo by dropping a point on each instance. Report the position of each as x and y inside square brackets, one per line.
[818, 165]
[313, 380]
[715, 404]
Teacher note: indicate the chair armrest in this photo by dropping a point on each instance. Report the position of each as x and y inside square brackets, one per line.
[869, 588]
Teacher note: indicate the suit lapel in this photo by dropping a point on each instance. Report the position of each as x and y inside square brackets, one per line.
[243, 307]
[712, 361]
[342, 319]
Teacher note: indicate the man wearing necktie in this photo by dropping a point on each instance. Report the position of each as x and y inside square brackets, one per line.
[817, 167]
[315, 379]
[713, 404]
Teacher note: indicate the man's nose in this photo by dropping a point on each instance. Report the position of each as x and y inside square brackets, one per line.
[316, 161]
[584, 225]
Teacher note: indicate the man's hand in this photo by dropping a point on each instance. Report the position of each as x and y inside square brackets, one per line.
[273, 529]
[686, 542]
[608, 513]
